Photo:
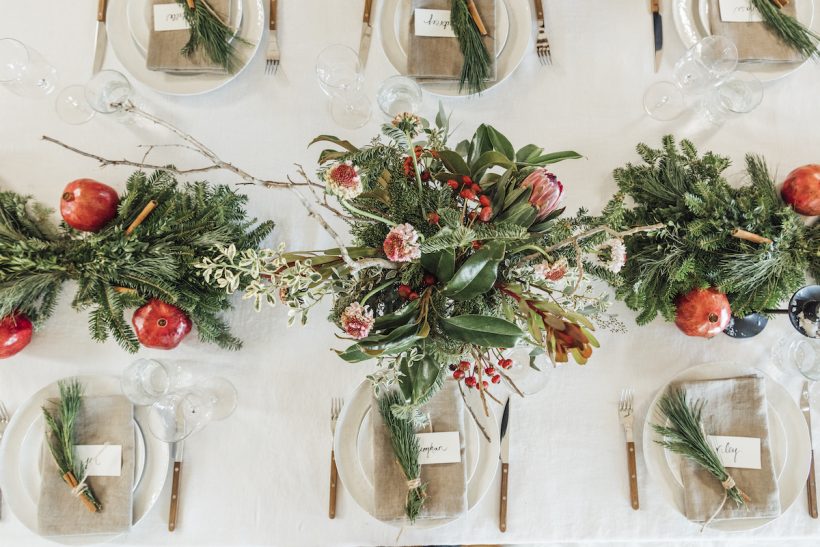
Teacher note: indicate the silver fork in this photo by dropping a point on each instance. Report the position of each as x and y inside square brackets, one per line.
[542, 43]
[272, 58]
[626, 418]
[4, 422]
[335, 409]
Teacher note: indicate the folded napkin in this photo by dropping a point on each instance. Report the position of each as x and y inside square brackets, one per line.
[754, 41]
[734, 407]
[164, 47]
[432, 58]
[101, 420]
[446, 482]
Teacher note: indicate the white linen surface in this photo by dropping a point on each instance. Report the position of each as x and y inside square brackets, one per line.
[261, 478]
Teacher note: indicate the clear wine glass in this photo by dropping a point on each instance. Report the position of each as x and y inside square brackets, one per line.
[109, 92]
[664, 101]
[25, 72]
[399, 94]
[527, 379]
[798, 354]
[145, 381]
[705, 62]
[738, 93]
[181, 413]
[340, 78]
[72, 107]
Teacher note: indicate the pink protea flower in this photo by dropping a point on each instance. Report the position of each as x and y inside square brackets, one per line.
[552, 271]
[546, 192]
[402, 244]
[343, 180]
[357, 320]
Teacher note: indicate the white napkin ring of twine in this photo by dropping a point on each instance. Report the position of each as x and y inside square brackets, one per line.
[413, 484]
[82, 487]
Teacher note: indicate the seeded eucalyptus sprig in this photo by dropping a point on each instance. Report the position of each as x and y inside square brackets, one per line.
[210, 32]
[477, 60]
[791, 31]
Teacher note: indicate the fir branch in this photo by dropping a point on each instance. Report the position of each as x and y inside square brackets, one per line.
[477, 60]
[790, 31]
[211, 34]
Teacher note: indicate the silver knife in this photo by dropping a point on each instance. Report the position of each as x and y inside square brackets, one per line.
[811, 487]
[505, 466]
[102, 38]
[657, 28]
[177, 448]
[367, 34]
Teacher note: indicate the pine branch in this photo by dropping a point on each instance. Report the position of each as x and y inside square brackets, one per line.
[790, 31]
[212, 35]
[477, 61]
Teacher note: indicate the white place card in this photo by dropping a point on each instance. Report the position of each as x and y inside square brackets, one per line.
[440, 447]
[739, 11]
[169, 17]
[434, 22]
[737, 452]
[104, 460]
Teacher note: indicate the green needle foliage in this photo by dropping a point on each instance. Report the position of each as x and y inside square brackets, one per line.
[696, 248]
[156, 261]
[788, 29]
[685, 436]
[61, 427]
[477, 60]
[406, 447]
[211, 34]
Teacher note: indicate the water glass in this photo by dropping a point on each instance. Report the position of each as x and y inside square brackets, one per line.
[183, 412]
[399, 94]
[340, 78]
[72, 107]
[664, 101]
[705, 62]
[145, 381]
[24, 71]
[738, 93]
[108, 92]
[797, 353]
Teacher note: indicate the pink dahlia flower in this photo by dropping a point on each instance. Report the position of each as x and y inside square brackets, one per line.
[357, 320]
[402, 244]
[546, 192]
[343, 180]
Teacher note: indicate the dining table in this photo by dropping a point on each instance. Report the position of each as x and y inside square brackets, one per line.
[261, 476]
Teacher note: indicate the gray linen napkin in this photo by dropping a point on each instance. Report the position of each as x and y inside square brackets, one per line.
[735, 407]
[754, 41]
[446, 482]
[432, 58]
[164, 46]
[101, 420]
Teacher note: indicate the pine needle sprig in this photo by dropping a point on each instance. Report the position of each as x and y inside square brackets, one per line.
[62, 427]
[213, 35]
[477, 61]
[406, 448]
[790, 31]
[685, 436]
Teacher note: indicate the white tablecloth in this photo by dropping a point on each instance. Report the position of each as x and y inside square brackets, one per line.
[262, 476]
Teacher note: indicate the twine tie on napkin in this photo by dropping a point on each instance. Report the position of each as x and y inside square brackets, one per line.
[727, 485]
[413, 484]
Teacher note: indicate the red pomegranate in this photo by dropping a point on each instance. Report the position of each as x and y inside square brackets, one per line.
[15, 334]
[801, 190]
[88, 205]
[160, 325]
[702, 312]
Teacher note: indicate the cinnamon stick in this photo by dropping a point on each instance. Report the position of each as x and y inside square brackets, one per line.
[72, 482]
[191, 4]
[780, 3]
[749, 236]
[479, 23]
[141, 217]
[125, 290]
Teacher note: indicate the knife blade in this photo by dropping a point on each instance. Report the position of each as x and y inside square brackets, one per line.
[367, 34]
[811, 487]
[101, 38]
[177, 455]
[657, 29]
[505, 466]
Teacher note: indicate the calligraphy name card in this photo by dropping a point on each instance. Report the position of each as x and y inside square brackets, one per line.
[169, 17]
[433, 22]
[737, 452]
[102, 460]
[440, 447]
[739, 11]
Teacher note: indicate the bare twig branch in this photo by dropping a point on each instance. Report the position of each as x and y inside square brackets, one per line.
[382, 263]
[573, 240]
[475, 418]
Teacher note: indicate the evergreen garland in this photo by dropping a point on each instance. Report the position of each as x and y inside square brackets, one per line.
[114, 271]
[696, 248]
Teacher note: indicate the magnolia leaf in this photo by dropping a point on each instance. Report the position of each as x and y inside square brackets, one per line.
[528, 153]
[490, 159]
[442, 264]
[482, 330]
[347, 145]
[501, 143]
[454, 162]
[478, 273]
[398, 318]
[554, 157]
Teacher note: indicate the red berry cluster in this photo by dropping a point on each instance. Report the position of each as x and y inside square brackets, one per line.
[505, 363]
[408, 164]
[407, 293]
[470, 191]
[466, 371]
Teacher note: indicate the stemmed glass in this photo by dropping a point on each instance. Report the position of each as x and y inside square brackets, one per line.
[145, 381]
[24, 71]
[798, 353]
[107, 92]
[399, 94]
[340, 77]
[738, 93]
[183, 412]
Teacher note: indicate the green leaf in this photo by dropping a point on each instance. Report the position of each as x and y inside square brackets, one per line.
[353, 354]
[528, 153]
[442, 119]
[417, 380]
[483, 330]
[490, 159]
[454, 162]
[522, 214]
[330, 155]
[478, 273]
[347, 145]
[397, 318]
[387, 343]
[501, 143]
[554, 157]
[442, 264]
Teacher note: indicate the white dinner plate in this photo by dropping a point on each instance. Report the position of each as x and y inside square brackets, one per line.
[514, 29]
[692, 23]
[790, 442]
[128, 24]
[20, 452]
[354, 455]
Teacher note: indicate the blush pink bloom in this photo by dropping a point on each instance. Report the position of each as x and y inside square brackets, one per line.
[343, 180]
[552, 271]
[402, 244]
[546, 192]
[357, 320]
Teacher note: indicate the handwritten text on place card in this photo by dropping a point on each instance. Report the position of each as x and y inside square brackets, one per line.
[169, 17]
[434, 22]
[739, 11]
[104, 460]
[442, 447]
[737, 452]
